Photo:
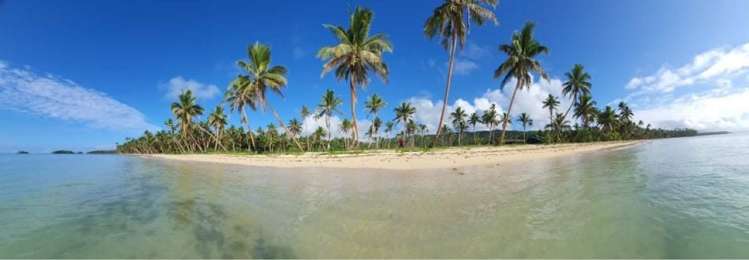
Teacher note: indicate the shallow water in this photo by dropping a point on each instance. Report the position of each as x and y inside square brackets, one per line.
[673, 198]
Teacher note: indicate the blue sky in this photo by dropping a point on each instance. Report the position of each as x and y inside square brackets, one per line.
[86, 74]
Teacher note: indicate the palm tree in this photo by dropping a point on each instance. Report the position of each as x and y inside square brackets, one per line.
[423, 130]
[376, 124]
[451, 21]
[345, 128]
[526, 121]
[373, 106]
[459, 122]
[625, 116]
[607, 119]
[403, 114]
[489, 118]
[327, 107]
[585, 110]
[184, 110]
[559, 124]
[577, 85]
[388, 129]
[474, 120]
[355, 55]
[521, 62]
[261, 77]
[218, 120]
[551, 103]
[295, 128]
[318, 134]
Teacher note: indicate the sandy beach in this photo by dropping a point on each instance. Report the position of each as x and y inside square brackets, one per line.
[389, 159]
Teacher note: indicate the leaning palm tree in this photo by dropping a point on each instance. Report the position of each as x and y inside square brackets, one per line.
[551, 103]
[459, 122]
[526, 121]
[218, 120]
[403, 114]
[373, 105]
[327, 107]
[489, 118]
[261, 77]
[577, 85]
[521, 62]
[585, 110]
[240, 95]
[184, 110]
[474, 120]
[356, 54]
[451, 21]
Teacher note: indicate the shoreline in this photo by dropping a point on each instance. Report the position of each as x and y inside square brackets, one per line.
[393, 160]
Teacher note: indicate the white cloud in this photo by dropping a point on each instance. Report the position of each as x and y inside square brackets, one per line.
[527, 101]
[714, 110]
[52, 97]
[723, 106]
[176, 85]
[464, 67]
[704, 68]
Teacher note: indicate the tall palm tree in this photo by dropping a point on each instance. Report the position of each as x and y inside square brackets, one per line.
[490, 119]
[240, 95]
[327, 107]
[526, 121]
[577, 85]
[261, 77]
[451, 22]
[474, 120]
[551, 103]
[373, 105]
[218, 120]
[585, 110]
[459, 122]
[184, 110]
[355, 55]
[521, 62]
[403, 114]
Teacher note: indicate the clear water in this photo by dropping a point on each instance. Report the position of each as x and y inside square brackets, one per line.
[669, 198]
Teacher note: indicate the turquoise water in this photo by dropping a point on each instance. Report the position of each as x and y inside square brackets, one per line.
[671, 198]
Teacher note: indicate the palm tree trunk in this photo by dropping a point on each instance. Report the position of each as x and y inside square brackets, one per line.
[280, 122]
[247, 128]
[574, 98]
[327, 124]
[450, 65]
[525, 138]
[355, 131]
[509, 109]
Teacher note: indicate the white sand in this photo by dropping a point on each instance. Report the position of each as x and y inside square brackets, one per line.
[389, 159]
